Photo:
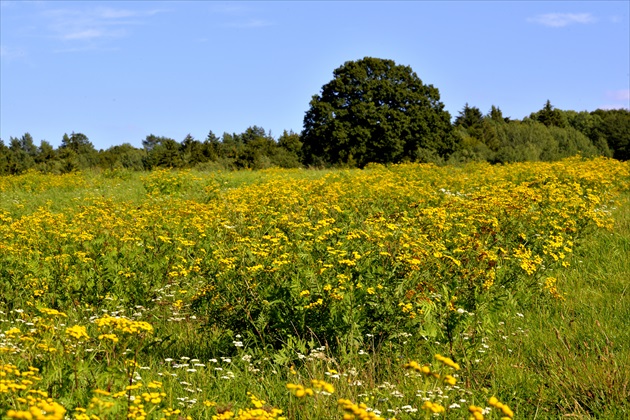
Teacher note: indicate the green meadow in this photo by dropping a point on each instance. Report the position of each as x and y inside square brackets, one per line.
[405, 291]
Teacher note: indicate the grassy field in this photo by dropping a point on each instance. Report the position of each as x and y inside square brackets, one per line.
[410, 291]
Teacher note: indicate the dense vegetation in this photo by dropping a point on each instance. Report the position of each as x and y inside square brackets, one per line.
[373, 111]
[312, 294]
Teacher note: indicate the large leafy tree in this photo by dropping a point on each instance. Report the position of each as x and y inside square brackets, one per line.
[375, 111]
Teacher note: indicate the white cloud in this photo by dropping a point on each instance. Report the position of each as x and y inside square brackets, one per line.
[85, 34]
[237, 15]
[94, 23]
[229, 8]
[83, 49]
[250, 23]
[559, 20]
[109, 13]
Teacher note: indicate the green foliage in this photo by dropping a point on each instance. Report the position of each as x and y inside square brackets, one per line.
[289, 150]
[165, 154]
[77, 152]
[256, 150]
[533, 141]
[469, 117]
[615, 128]
[20, 160]
[374, 111]
[471, 148]
[5, 154]
[168, 182]
[496, 115]
[77, 142]
[550, 116]
[47, 160]
[124, 156]
[252, 149]
[547, 135]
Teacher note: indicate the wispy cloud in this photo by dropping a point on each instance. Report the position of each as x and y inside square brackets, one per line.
[89, 47]
[249, 23]
[109, 13]
[8, 53]
[229, 8]
[92, 34]
[238, 15]
[94, 23]
[559, 20]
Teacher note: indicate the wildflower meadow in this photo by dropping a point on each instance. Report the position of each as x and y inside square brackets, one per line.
[408, 291]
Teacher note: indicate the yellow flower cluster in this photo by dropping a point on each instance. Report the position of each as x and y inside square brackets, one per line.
[433, 407]
[123, 325]
[259, 412]
[78, 331]
[552, 288]
[153, 397]
[299, 390]
[170, 412]
[449, 379]
[34, 181]
[447, 361]
[476, 411]
[322, 386]
[52, 312]
[356, 411]
[112, 337]
[16, 383]
[425, 369]
[39, 409]
[493, 401]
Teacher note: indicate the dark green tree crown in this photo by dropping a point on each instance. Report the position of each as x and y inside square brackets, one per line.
[374, 111]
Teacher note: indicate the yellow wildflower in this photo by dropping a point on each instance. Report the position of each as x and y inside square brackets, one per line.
[78, 331]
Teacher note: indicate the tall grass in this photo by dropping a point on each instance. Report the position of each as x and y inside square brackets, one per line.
[572, 357]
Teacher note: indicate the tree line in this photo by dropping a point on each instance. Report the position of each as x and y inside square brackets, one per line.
[545, 135]
[372, 111]
[252, 149]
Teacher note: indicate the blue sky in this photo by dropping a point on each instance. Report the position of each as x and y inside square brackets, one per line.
[120, 70]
